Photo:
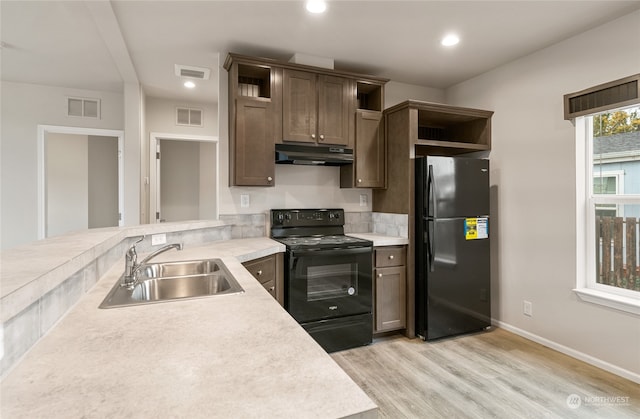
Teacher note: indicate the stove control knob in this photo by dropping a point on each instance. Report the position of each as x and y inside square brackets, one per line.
[334, 215]
[288, 216]
[280, 217]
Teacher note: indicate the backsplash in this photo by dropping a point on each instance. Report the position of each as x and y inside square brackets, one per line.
[245, 226]
[257, 225]
[357, 222]
[394, 225]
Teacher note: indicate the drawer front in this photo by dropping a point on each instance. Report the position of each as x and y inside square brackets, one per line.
[271, 287]
[391, 256]
[263, 269]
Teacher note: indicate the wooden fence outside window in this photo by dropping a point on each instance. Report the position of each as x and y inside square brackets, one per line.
[617, 252]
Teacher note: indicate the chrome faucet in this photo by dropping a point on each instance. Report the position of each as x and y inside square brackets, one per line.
[132, 267]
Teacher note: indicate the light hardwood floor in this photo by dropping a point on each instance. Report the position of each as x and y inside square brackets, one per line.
[494, 374]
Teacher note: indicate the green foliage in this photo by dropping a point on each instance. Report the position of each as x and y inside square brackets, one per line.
[616, 122]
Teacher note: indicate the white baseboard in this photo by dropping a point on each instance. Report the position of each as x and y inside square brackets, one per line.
[629, 375]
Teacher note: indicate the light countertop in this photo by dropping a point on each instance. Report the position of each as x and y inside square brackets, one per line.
[222, 356]
[31, 270]
[381, 240]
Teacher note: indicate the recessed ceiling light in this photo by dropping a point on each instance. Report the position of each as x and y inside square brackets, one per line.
[450, 40]
[316, 6]
[189, 84]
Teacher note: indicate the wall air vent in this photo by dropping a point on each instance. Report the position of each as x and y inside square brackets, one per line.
[189, 116]
[83, 107]
[604, 97]
[200, 73]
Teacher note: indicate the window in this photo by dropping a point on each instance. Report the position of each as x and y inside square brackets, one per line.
[610, 142]
[611, 183]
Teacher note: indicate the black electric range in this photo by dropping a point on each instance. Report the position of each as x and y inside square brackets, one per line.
[328, 276]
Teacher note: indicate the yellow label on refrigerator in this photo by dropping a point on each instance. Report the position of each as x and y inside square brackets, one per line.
[476, 228]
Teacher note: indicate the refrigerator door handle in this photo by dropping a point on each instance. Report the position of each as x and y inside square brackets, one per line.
[431, 244]
[431, 194]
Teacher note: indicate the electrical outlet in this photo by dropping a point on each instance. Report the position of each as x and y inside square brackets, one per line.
[363, 200]
[527, 308]
[157, 239]
[244, 201]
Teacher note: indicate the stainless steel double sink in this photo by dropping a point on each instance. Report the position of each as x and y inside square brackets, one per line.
[168, 281]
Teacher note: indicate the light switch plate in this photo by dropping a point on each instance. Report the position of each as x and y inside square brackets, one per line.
[244, 201]
[157, 239]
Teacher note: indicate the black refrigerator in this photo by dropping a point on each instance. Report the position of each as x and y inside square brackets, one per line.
[452, 246]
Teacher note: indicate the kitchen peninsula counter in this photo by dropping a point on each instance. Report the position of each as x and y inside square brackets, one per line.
[224, 356]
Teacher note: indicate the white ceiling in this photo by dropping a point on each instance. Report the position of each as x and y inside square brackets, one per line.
[99, 45]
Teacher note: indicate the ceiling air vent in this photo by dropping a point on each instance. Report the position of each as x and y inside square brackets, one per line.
[615, 94]
[83, 107]
[200, 73]
[189, 116]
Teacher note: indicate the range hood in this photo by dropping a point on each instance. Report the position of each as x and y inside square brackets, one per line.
[313, 155]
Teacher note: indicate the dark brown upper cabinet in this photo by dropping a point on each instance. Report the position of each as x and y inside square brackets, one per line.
[272, 102]
[448, 130]
[255, 99]
[318, 108]
[369, 167]
[416, 128]
[254, 143]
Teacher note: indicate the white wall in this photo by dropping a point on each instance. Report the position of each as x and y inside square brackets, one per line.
[533, 175]
[67, 183]
[160, 117]
[24, 106]
[134, 111]
[103, 181]
[180, 180]
[395, 92]
[208, 181]
[81, 182]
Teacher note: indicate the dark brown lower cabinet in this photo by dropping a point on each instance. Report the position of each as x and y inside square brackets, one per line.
[390, 292]
[268, 271]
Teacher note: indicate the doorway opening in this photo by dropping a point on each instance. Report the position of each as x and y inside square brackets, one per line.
[80, 179]
[183, 177]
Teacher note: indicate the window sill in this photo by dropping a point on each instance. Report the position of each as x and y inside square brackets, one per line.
[618, 302]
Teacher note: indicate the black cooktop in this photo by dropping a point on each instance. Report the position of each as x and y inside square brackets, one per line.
[324, 242]
[312, 229]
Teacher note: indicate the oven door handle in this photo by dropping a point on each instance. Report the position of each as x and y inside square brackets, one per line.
[331, 252]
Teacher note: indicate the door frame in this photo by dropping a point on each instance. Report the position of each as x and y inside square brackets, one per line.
[154, 185]
[57, 129]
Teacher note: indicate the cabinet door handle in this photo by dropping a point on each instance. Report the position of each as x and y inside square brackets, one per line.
[272, 288]
[313, 136]
[269, 178]
[259, 273]
[359, 180]
[379, 275]
[321, 137]
[390, 257]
